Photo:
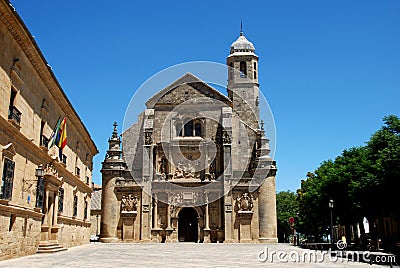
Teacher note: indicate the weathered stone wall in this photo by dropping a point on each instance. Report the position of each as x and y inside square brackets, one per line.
[22, 239]
[40, 99]
[71, 235]
[95, 220]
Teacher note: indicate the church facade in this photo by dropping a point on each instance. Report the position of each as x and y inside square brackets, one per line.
[195, 167]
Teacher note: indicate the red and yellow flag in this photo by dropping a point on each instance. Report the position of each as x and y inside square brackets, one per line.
[61, 139]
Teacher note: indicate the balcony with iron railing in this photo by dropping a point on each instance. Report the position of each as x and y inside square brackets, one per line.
[14, 115]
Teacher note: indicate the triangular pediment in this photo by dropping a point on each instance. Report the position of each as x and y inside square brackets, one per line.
[185, 88]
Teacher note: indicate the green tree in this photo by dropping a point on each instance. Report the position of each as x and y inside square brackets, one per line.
[362, 181]
[384, 147]
[286, 207]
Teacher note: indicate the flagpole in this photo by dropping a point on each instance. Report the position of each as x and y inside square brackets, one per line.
[54, 131]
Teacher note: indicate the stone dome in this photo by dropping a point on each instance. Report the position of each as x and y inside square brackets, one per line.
[242, 45]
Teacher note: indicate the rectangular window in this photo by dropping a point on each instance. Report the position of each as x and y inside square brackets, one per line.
[243, 69]
[61, 200]
[8, 179]
[85, 211]
[87, 180]
[42, 124]
[13, 112]
[40, 193]
[75, 213]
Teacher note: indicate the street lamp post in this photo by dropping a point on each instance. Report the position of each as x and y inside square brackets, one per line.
[97, 225]
[331, 208]
[39, 172]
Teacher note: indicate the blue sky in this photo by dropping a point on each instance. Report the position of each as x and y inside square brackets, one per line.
[330, 70]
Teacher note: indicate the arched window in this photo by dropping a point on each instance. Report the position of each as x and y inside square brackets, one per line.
[243, 69]
[189, 128]
[197, 129]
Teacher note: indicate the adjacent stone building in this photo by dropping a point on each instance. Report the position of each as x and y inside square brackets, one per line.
[196, 166]
[95, 211]
[44, 200]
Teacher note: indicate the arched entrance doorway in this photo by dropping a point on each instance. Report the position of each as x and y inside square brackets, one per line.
[188, 225]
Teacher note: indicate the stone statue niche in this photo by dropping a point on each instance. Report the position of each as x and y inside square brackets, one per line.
[163, 169]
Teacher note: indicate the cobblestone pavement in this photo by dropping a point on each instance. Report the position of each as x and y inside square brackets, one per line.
[177, 255]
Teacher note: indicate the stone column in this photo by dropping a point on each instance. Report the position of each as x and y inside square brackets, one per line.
[155, 214]
[110, 211]
[147, 172]
[46, 207]
[55, 212]
[207, 167]
[267, 211]
[170, 233]
[168, 217]
[207, 220]
[227, 137]
[228, 207]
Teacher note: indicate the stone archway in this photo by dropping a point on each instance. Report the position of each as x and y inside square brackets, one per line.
[188, 225]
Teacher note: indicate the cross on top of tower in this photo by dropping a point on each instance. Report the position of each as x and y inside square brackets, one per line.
[242, 45]
[115, 132]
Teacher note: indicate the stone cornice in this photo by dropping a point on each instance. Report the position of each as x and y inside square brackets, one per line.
[20, 210]
[41, 154]
[13, 22]
[69, 220]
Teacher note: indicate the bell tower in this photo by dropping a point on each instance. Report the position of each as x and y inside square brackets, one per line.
[243, 85]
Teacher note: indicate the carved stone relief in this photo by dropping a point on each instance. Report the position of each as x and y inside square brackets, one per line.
[244, 202]
[129, 203]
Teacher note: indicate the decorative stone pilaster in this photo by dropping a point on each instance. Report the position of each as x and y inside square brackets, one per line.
[244, 204]
[245, 226]
[128, 217]
[227, 154]
[207, 230]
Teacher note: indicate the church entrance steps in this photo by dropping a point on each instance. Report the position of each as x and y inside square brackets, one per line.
[50, 248]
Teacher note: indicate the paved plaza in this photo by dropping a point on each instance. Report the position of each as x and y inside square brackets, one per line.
[177, 255]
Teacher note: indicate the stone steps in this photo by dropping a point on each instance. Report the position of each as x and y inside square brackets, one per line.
[50, 248]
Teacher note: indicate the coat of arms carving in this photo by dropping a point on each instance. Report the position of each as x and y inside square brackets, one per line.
[244, 202]
[129, 203]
